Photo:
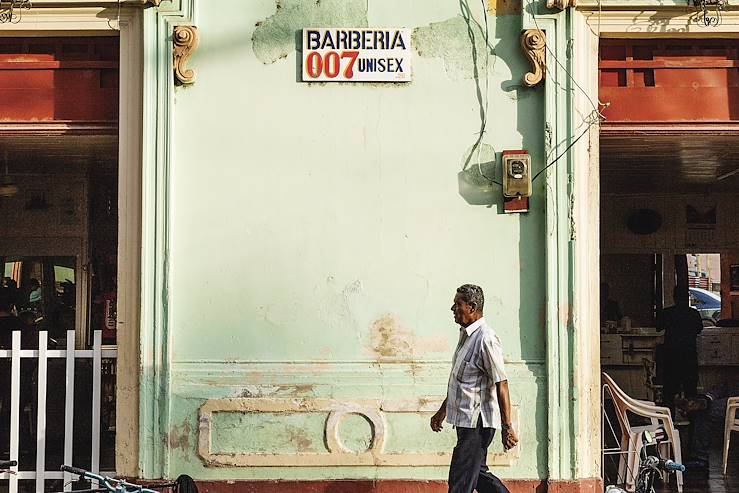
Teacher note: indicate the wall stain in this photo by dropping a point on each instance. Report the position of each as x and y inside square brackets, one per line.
[505, 7]
[179, 437]
[389, 340]
[450, 41]
[258, 390]
[275, 37]
[297, 390]
[297, 436]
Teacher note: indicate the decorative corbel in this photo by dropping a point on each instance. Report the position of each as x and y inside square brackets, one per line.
[185, 40]
[534, 43]
[561, 4]
[150, 3]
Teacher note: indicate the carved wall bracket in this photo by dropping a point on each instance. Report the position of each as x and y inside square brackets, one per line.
[185, 39]
[534, 43]
[561, 4]
[150, 3]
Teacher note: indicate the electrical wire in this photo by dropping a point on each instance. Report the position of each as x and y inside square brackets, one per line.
[483, 99]
[595, 117]
[487, 94]
[552, 163]
[484, 125]
[569, 75]
[117, 27]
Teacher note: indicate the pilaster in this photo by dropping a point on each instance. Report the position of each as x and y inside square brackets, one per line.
[159, 89]
[560, 314]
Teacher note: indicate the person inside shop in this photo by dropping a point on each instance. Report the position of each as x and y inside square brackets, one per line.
[707, 414]
[8, 321]
[8, 324]
[609, 309]
[34, 294]
[681, 324]
[12, 289]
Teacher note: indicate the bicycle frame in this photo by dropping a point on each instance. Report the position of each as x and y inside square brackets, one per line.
[118, 485]
[650, 466]
[109, 484]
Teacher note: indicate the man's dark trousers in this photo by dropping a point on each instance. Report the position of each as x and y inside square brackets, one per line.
[469, 470]
[681, 374]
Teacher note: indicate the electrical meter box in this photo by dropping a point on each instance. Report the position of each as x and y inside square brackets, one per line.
[516, 174]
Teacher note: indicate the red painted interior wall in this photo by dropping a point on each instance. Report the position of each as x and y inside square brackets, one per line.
[59, 79]
[670, 80]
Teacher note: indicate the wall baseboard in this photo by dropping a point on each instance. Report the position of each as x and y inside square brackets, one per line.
[594, 485]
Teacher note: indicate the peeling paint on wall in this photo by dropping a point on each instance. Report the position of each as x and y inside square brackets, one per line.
[258, 390]
[390, 340]
[297, 436]
[179, 437]
[450, 41]
[276, 37]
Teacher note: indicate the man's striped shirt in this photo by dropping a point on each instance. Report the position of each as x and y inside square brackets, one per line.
[476, 368]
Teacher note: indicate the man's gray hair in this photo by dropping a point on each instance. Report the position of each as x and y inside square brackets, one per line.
[472, 295]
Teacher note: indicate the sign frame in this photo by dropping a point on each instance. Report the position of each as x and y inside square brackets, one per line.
[362, 54]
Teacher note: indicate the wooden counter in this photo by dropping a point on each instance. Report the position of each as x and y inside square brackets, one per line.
[622, 356]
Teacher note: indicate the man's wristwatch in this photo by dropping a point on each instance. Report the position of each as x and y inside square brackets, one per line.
[506, 426]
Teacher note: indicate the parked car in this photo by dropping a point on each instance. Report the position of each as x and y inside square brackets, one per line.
[707, 303]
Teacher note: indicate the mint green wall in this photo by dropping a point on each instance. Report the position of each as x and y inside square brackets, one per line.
[318, 231]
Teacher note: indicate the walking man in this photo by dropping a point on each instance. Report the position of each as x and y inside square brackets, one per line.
[477, 402]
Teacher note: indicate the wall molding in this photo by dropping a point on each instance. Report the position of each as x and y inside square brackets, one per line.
[185, 41]
[334, 362]
[262, 378]
[561, 4]
[533, 43]
[655, 23]
[374, 411]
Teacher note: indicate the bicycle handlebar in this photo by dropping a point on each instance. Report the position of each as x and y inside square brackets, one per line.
[74, 470]
[4, 464]
[663, 464]
[672, 466]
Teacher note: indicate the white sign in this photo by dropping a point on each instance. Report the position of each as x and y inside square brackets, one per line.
[357, 55]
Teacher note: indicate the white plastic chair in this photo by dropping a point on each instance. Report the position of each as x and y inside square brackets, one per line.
[732, 424]
[650, 378]
[631, 436]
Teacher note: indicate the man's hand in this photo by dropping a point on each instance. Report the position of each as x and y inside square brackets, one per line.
[437, 420]
[509, 437]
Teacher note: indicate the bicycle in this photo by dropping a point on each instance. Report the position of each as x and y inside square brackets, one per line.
[650, 466]
[183, 484]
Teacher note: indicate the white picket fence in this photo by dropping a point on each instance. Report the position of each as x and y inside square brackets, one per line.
[42, 355]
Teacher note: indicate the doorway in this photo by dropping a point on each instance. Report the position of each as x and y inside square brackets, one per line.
[112, 305]
[58, 254]
[669, 190]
